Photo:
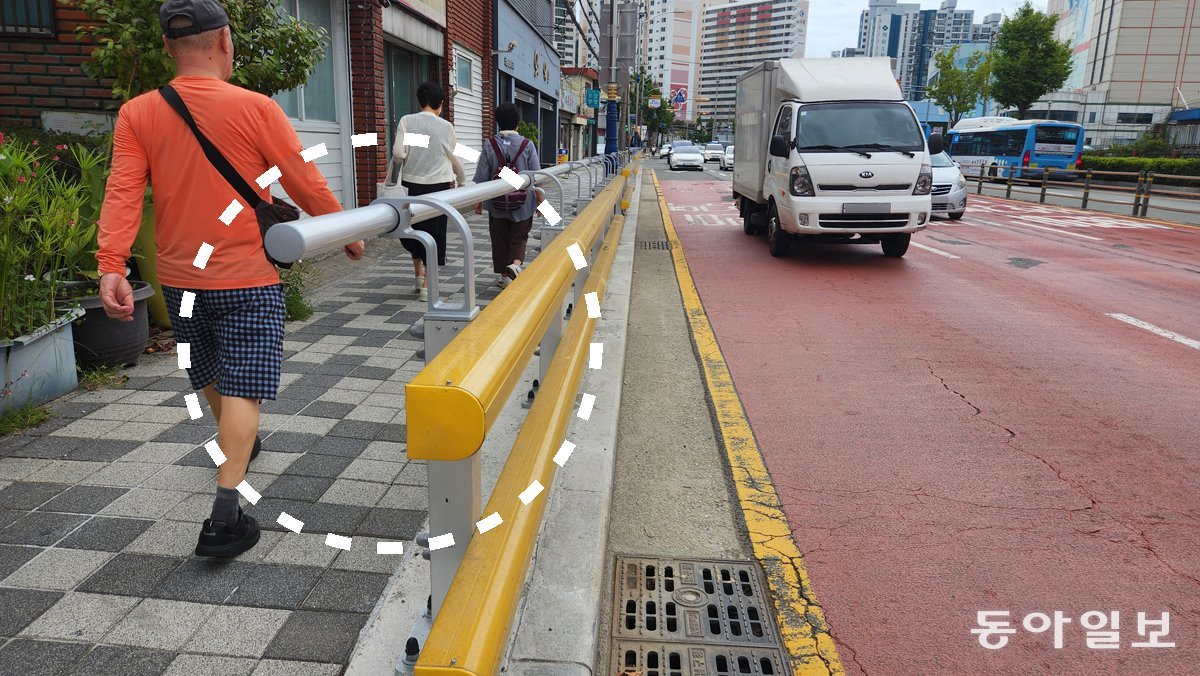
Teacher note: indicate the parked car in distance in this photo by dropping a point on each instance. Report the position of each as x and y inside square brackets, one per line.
[686, 156]
[727, 158]
[949, 187]
[713, 152]
[664, 150]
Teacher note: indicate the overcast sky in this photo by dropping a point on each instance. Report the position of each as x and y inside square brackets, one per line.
[833, 24]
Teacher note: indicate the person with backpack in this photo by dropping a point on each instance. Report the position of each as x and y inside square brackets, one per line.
[431, 169]
[510, 216]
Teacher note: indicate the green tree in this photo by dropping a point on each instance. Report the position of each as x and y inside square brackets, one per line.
[657, 120]
[273, 52]
[1028, 62]
[959, 90]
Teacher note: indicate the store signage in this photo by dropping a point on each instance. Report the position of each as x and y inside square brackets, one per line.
[593, 98]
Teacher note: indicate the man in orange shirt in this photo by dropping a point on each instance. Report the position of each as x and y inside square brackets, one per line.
[235, 329]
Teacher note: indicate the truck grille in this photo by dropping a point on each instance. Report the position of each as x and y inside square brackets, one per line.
[863, 220]
[942, 189]
[846, 187]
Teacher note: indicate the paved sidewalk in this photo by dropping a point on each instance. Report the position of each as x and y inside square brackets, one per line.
[101, 506]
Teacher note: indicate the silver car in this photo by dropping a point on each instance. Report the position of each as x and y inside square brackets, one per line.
[686, 156]
[949, 187]
[727, 158]
[713, 152]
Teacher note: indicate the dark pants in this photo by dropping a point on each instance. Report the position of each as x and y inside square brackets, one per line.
[434, 226]
[508, 241]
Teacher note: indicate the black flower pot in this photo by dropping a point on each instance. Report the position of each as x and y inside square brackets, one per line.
[100, 341]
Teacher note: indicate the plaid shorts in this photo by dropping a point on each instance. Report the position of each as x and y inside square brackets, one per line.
[236, 338]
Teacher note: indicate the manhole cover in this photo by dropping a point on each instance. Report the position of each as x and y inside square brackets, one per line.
[692, 617]
[656, 245]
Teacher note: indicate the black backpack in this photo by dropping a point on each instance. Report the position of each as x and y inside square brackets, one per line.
[515, 199]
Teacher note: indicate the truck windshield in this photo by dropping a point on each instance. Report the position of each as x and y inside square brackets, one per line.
[823, 126]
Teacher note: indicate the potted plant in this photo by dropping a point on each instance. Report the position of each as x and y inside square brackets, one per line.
[38, 215]
[130, 51]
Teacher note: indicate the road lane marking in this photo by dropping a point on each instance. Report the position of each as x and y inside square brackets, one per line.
[805, 634]
[1039, 227]
[1157, 330]
[936, 251]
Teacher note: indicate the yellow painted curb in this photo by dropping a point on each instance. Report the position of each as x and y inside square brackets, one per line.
[802, 625]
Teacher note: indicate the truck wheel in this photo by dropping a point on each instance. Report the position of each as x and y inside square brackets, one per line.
[895, 245]
[778, 241]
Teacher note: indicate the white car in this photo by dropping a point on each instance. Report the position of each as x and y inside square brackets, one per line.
[727, 158]
[713, 152]
[949, 187]
[686, 156]
[664, 150]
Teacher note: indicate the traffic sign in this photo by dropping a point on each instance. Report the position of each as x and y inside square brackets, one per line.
[593, 98]
[654, 102]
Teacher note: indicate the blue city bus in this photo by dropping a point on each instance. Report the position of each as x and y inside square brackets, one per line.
[1024, 149]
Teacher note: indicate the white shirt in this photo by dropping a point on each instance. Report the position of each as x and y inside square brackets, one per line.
[434, 164]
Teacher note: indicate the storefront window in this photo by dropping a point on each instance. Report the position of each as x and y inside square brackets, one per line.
[316, 99]
[463, 70]
[405, 71]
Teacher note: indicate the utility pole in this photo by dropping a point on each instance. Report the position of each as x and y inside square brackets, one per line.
[614, 98]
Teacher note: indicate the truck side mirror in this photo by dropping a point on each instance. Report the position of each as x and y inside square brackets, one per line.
[936, 144]
[780, 147]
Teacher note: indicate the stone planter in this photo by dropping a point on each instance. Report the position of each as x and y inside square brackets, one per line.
[100, 341]
[47, 356]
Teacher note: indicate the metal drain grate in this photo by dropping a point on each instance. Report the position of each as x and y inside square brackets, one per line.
[663, 245]
[693, 617]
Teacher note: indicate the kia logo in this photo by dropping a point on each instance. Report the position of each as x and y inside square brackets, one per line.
[866, 174]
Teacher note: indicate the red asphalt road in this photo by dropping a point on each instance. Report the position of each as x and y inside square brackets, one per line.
[952, 435]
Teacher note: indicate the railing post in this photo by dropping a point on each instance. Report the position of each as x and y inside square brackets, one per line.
[1146, 192]
[979, 188]
[1087, 189]
[558, 182]
[1008, 190]
[554, 332]
[1045, 182]
[1137, 194]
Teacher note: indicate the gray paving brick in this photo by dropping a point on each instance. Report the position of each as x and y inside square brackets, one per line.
[353, 492]
[327, 409]
[28, 657]
[185, 434]
[276, 586]
[83, 499]
[321, 381]
[349, 591]
[106, 534]
[352, 397]
[377, 471]
[197, 457]
[202, 580]
[274, 462]
[180, 478]
[169, 414]
[152, 398]
[110, 660]
[130, 574]
[167, 538]
[8, 516]
[156, 623]
[101, 450]
[348, 359]
[101, 396]
[388, 451]
[302, 549]
[391, 524]
[119, 411]
[363, 557]
[284, 406]
[376, 414]
[30, 495]
[290, 441]
[65, 471]
[80, 617]
[138, 431]
[238, 631]
[303, 424]
[371, 372]
[13, 557]
[155, 452]
[394, 432]
[58, 569]
[414, 474]
[266, 512]
[343, 446]
[87, 428]
[16, 469]
[194, 509]
[315, 464]
[406, 497]
[41, 528]
[356, 429]
[22, 606]
[316, 636]
[332, 518]
[297, 487]
[145, 503]
[123, 474]
[207, 665]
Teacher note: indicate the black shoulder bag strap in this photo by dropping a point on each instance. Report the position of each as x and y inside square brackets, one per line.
[214, 156]
[268, 213]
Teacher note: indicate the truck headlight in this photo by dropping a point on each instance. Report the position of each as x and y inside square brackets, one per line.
[924, 181]
[961, 182]
[801, 184]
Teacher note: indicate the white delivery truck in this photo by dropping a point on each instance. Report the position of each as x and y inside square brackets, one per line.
[829, 149]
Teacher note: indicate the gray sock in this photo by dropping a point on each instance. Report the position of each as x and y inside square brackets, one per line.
[225, 506]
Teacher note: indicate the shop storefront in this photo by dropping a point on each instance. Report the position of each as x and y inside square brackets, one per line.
[528, 71]
[414, 46]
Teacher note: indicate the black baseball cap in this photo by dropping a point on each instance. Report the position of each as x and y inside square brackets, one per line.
[205, 15]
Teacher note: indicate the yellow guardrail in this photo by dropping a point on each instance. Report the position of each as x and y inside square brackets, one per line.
[471, 631]
[453, 402]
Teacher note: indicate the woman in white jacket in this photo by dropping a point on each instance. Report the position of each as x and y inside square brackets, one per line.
[427, 170]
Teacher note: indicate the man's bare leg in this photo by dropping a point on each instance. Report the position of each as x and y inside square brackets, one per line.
[236, 428]
[214, 400]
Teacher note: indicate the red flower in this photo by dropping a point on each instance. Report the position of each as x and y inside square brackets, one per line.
[36, 164]
[20, 179]
[56, 158]
[35, 143]
[61, 147]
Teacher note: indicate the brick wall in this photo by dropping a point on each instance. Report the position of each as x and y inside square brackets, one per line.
[367, 93]
[43, 72]
[469, 22]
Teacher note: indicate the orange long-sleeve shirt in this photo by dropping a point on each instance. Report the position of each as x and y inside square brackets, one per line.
[152, 144]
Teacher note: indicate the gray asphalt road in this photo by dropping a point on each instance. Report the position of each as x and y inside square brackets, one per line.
[711, 172]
